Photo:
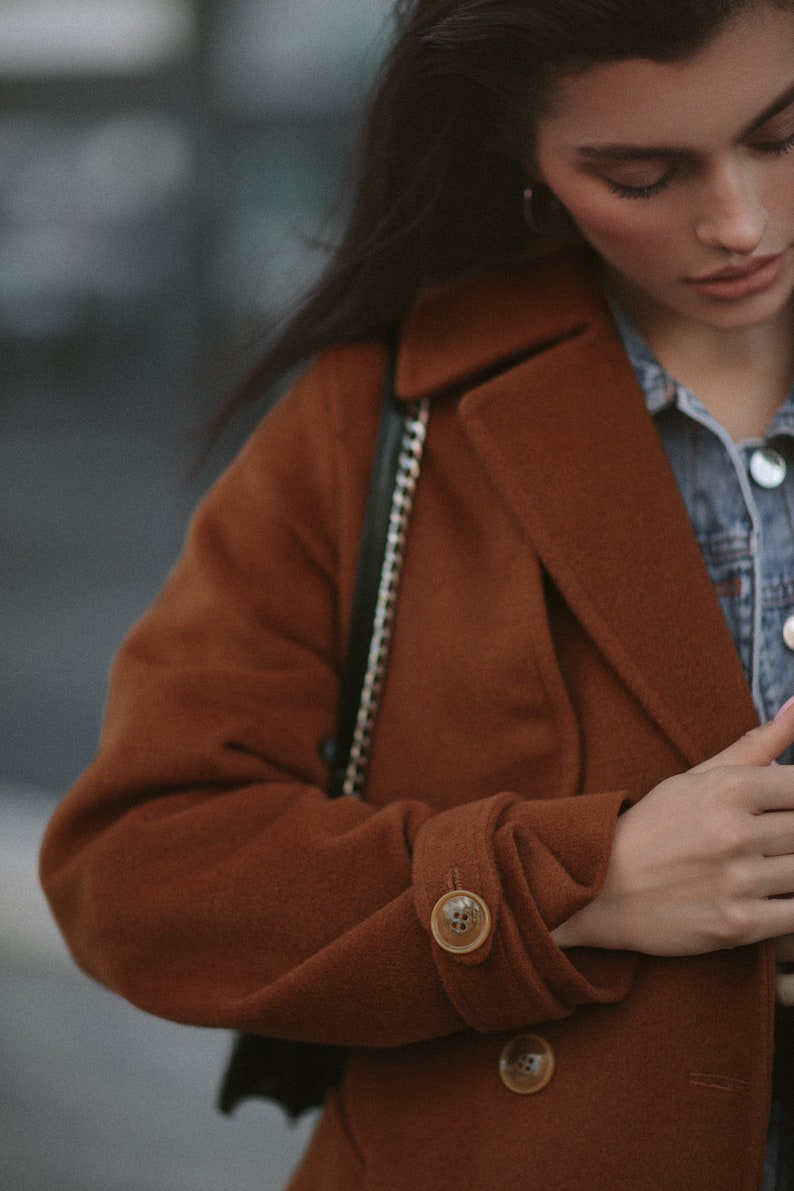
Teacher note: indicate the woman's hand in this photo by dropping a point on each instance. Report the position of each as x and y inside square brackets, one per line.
[705, 861]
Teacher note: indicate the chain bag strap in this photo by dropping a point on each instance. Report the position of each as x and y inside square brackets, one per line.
[375, 604]
[297, 1075]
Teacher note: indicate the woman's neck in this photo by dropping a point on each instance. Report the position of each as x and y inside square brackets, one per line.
[741, 376]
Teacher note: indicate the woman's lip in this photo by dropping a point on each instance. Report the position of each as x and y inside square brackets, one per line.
[731, 274]
[731, 284]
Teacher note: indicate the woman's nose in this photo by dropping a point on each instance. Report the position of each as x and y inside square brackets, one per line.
[733, 217]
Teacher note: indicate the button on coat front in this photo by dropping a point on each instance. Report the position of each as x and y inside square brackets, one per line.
[526, 1064]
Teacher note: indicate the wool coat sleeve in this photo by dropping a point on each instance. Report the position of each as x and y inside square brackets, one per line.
[197, 867]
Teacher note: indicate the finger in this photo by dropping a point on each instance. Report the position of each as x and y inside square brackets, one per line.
[767, 793]
[775, 920]
[773, 830]
[776, 878]
[760, 746]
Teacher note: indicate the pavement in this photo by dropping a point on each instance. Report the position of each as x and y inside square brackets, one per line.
[95, 1095]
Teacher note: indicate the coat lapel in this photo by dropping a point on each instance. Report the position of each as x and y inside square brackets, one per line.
[564, 432]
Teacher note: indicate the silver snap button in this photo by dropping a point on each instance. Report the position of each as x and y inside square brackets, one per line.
[788, 633]
[767, 467]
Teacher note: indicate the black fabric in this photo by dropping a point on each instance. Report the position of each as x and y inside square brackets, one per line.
[783, 1069]
[779, 1165]
[298, 1075]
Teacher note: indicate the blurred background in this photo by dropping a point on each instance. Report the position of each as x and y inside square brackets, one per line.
[164, 165]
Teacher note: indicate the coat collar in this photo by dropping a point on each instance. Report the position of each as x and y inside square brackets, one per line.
[556, 416]
[459, 330]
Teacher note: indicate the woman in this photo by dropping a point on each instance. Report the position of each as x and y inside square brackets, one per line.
[594, 614]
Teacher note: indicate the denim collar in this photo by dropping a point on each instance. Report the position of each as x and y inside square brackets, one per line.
[660, 389]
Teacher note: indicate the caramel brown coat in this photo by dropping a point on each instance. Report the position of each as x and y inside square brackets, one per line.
[558, 651]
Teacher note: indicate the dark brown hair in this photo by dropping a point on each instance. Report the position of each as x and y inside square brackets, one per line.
[438, 178]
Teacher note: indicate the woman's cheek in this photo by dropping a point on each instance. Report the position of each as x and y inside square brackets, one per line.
[610, 230]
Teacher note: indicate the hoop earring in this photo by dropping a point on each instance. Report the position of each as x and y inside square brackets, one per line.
[539, 205]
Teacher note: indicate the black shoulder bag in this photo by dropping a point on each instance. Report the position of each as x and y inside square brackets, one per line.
[297, 1075]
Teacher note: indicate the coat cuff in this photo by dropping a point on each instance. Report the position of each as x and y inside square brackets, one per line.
[532, 865]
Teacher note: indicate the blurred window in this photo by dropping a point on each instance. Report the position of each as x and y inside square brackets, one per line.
[164, 163]
[79, 37]
[94, 220]
[297, 56]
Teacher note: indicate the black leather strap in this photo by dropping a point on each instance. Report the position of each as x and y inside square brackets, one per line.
[370, 563]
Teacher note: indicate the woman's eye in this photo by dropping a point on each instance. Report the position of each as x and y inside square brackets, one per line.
[778, 146]
[641, 191]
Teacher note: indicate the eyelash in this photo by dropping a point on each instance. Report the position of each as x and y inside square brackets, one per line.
[638, 192]
[778, 148]
[775, 148]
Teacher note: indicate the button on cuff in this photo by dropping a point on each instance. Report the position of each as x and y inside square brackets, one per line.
[460, 922]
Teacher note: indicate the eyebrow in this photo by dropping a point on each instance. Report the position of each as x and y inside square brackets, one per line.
[621, 152]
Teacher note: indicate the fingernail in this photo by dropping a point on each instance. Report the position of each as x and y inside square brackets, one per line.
[785, 707]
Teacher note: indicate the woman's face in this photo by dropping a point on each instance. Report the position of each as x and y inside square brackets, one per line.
[681, 175]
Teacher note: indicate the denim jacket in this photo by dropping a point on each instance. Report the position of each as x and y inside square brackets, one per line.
[740, 500]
